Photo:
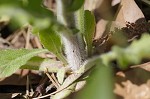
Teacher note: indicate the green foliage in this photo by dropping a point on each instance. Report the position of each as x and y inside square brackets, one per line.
[52, 42]
[80, 19]
[33, 64]
[12, 60]
[20, 13]
[137, 51]
[99, 84]
[61, 75]
[43, 64]
[89, 29]
[75, 5]
[133, 54]
[86, 24]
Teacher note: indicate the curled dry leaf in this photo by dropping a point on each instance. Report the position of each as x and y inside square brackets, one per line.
[129, 12]
[133, 91]
[145, 66]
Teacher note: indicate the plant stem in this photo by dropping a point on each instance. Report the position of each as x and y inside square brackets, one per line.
[71, 41]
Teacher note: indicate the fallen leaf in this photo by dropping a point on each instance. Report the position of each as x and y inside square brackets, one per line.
[133, 91]
[129, 12]
[100, 28]
[145, 66]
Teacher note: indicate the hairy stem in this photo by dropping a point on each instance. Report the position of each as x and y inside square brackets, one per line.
[71, 41]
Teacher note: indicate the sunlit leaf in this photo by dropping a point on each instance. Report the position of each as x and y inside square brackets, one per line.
[11, 60]
[61, 75]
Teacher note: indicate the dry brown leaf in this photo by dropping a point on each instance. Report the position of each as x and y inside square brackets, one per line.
[133, 83]
[100, 28]
[145, 66]
[121, 74]
[129, 12]
[116, 24]
[133, 91]
[115, 2]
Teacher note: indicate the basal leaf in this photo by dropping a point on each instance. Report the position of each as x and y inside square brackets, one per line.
[89, 29]
[52, 42]
[86, 24]
[13, 59]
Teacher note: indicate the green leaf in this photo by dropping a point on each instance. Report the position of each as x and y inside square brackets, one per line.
[42, 64]
[13, 59]
[33, 64]
[20, 18]
[80, 21]
[51, 65]
[52, 42]
[75, 5]
[61, 75]
[89, 29]
[134, 53]
[99, 84]
[25, 13]
[86, 24]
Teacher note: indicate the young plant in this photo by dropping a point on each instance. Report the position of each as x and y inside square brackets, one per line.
[70, 33]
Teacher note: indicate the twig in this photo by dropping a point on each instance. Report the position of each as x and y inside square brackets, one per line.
[27, 37]
[52, 80]
[38, 43]
[54, 77]
[27, 87]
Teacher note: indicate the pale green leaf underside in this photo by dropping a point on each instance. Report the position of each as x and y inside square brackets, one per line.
[12, 59]
[43, 64]
[61, 75]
